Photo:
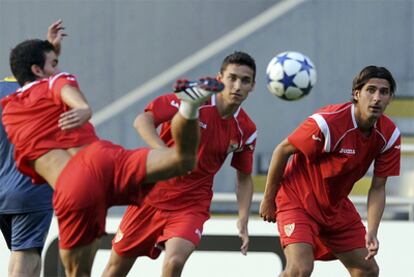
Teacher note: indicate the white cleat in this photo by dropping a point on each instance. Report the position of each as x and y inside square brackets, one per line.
[197, 91]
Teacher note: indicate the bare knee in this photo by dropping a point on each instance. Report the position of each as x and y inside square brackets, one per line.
[174, 264]
[298, 270]
[371, 270]
[118, 266]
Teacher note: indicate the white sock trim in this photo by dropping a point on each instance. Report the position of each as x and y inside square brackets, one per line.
[188, 110]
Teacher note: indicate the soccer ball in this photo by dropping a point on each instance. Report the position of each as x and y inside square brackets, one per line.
[290, 75]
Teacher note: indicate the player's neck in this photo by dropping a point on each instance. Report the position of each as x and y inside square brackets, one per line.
[225, 109]
[365, 124]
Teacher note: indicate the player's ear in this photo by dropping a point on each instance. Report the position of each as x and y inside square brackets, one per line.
[219, 76]
[37, 70]
[355, 94]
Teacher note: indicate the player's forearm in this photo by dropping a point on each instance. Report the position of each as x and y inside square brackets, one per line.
[376, 203]
[277, 167]
[144, 125]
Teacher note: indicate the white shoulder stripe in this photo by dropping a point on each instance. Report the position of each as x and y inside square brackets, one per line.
[323, 126]
[52, 80]
[392, 140]
[251, 138]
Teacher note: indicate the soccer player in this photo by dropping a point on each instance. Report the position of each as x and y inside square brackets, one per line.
[25, 209]
[47, 121]
[332, 149]
[175, 210]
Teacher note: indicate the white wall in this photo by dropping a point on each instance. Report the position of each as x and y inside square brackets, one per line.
[394, 258]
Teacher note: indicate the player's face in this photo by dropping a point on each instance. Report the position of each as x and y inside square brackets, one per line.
[238, 81]
[51, 66]
[372, 99]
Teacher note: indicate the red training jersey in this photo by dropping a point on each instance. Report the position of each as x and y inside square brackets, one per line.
[334, 154]
[219, 137]
[30, 117]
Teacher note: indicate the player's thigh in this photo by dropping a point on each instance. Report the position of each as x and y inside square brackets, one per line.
[29, 230]
[355, 260]
[299, 255]
[178, 249]
[81, 257]
[161, 164]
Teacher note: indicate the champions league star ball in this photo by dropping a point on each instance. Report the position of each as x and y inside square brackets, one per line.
[290, 75]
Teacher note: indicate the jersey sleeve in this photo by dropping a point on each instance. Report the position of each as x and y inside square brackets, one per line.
[308, 138]
[163, 108]
[243, 159]
[57, 82]
[388, 162]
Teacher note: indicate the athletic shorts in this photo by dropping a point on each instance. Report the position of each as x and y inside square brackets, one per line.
[144, 230]
[296, 226]
[26, 230]
[97, 177]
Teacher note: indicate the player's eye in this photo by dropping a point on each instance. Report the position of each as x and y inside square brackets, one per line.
[232, 78]
[246, 81]
[384, 91]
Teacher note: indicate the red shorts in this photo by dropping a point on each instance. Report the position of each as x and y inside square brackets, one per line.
[143, 230]
[297, 226]
[97, 177]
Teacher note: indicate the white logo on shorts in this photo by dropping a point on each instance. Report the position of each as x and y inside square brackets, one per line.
[198, 232]
[289, 229]
[119, 235]
[316, 138]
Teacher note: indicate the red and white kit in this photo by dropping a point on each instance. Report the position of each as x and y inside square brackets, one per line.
[178, 207]
[100, 175]
[334, 154]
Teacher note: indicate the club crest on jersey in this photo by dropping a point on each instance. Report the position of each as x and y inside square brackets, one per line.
[119, 235]
[202, 125]
[233, 145]
[289, 228]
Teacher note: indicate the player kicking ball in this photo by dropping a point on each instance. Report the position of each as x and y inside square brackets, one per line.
[48, 122]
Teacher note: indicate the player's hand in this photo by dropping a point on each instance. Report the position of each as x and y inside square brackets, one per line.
[74, 118]
[55, 34]
[372, 244]
[268, 210]
[244, 235]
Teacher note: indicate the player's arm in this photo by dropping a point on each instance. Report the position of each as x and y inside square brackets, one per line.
[244, 200]
[376, 204]
[55, 35]
[277, 167]
[80, 111]
[145, 126]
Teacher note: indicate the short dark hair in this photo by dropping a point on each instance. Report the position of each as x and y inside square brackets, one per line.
[370, 72]
[240, 58]
[26, 54]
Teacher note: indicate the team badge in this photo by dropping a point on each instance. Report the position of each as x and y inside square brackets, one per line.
[233, 145]
[119, 235]
[289, 228]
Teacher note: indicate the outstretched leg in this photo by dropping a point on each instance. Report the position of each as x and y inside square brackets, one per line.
[166, 163]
